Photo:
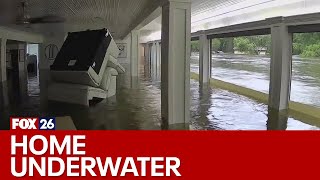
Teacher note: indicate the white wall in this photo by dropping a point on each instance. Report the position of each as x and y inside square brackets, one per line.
[17, 35]
[125, 62]
[58, 40]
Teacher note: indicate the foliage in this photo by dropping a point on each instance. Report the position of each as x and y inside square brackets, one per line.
[243, 44]
[195, 46]
[304, 44]
[216, 44]
[312, 51]
[252, 44]
[248, 45]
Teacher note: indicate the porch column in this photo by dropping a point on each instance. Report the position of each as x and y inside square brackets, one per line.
[48, 50]
[154, 60]
[134, 60]
[158, 49]
[175, 64]
[204, 60]
[281, 66]
[146, 60]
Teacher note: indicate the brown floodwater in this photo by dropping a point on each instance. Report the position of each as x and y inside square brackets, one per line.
[137, 106]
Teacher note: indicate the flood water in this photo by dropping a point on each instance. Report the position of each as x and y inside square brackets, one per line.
[221, 109]
[137, 106]
[254, 72]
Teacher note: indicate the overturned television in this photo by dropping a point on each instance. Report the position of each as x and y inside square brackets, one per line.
[86, 68]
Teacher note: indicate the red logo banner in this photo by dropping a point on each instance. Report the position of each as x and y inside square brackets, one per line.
[159, 154]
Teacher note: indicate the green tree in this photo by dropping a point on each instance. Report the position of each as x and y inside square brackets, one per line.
[250, 44]
[311, 51]
[246, 45]
[306, 44]
[195, 47]
[216, 45]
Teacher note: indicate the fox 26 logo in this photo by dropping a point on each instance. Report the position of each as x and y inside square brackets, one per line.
[23, 123]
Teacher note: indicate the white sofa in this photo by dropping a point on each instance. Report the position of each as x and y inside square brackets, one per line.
[76, 78]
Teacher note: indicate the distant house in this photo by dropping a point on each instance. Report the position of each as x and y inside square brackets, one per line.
[262, 50]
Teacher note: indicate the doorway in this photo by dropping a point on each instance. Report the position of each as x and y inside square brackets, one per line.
[32, 59]
[16, 71]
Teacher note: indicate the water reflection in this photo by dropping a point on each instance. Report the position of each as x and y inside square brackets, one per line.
[139, 108]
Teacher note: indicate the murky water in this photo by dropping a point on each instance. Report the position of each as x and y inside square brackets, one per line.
[254, 72]
[220, 109]
[137, 106]
[131, 109]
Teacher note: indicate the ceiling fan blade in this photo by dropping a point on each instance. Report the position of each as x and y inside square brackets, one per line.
[47, 19]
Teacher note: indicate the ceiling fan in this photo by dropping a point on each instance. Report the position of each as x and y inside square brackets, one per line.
[24, 18]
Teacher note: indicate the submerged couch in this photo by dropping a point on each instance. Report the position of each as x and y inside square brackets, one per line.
[85, 68]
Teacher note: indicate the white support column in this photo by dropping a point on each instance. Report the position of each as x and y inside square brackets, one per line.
[146, 60]
[134, 60]
[281, 67]
[154, 60]
[175, 64]
[158, 49]
[204, 60]
[3, 63]
[149, 59]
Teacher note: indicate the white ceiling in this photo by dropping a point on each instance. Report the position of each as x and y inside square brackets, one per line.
[241, 11]
[121, 15]
[209, 14]
[116, 15]
[198, 9]
[201, 6]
